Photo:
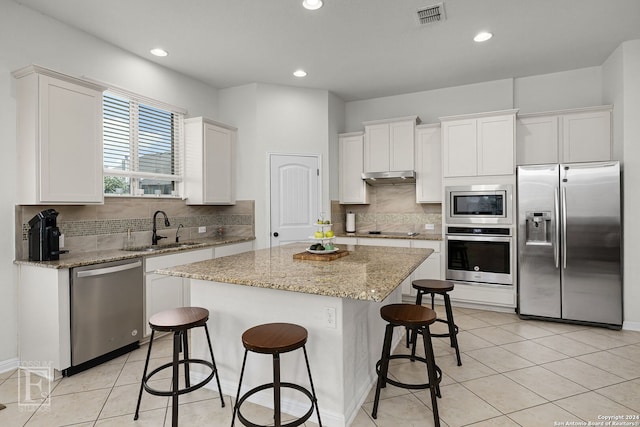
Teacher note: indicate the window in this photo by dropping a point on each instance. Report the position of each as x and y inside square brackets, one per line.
[142, 147]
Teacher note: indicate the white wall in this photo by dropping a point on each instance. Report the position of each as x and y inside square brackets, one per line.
[433, 104]
[27, 37]
[559, 91]
[283, 120]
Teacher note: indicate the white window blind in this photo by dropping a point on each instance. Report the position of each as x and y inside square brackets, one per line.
[142, 147]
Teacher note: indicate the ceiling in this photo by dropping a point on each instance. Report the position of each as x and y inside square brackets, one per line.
[357, 49]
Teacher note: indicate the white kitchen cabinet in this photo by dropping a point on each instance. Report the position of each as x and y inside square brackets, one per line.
[479, 144]
[428, 164]
[353, 190]
[567, 136]
[210, 162]
[59, 135]
[430, 267]
[165, 292]
[389, 144]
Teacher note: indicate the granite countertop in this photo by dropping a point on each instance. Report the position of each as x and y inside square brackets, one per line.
[403, 236]
[367, 273]
[79, 259]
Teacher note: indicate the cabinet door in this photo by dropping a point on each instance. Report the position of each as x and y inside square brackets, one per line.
[537, 140]
[376, 148]
[401, 145]
[495, 145]
[586, 136]
[428, 165]
[459, 148]
[219, 162]
[352, 188]
[163, 293]
[70, 142]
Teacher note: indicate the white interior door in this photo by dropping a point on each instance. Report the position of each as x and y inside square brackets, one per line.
[295, 197]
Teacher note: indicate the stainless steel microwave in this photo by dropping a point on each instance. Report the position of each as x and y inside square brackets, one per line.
[478, 204]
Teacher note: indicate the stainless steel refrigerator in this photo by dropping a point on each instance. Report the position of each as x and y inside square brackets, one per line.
[569, 242]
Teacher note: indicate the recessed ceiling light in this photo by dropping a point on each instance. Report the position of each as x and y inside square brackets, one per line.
[482, 36]
[300, 73]
[159, 52]
[312, 4]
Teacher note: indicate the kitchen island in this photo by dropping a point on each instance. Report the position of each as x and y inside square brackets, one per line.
[337, 301]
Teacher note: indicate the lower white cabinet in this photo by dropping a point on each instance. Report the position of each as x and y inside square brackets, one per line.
[165, 292]
[233, 249]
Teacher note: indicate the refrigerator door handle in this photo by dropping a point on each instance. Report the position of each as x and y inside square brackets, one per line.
[564, 227]
[556, 240]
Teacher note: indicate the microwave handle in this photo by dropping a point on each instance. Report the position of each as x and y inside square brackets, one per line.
[556, 229]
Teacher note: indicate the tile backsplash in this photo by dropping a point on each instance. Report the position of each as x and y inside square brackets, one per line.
[392, 208]
[105, 227]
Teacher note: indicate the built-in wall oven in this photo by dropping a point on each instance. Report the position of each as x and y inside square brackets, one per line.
[478, 204]
[479, 254]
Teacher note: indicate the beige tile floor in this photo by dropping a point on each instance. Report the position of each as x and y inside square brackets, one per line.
[514, 373]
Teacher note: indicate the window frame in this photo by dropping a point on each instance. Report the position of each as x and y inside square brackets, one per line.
[133, 174]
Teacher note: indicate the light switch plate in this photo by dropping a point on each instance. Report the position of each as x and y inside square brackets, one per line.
[202, 229]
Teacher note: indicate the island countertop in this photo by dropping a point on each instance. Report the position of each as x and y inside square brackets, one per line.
[366, 273]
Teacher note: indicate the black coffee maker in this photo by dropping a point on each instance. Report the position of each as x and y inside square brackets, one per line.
[44, 237]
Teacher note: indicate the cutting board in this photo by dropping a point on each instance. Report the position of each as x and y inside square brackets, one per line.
[321, 257]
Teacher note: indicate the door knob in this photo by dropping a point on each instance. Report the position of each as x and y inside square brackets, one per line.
[275, 234]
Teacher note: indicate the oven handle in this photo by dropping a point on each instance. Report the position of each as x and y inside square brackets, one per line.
[479, 238]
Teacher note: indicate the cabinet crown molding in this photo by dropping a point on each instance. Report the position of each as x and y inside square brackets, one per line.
[37, 69]
[567, 111]
[479, 115]
[416, 119]
[211, 122]
[348, 134]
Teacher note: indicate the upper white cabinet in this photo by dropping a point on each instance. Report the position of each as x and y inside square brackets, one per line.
[564, 136]
[388, 144]
[353, 190]
[210, 162]
[428, 152]
[59, 138]
[479, 144]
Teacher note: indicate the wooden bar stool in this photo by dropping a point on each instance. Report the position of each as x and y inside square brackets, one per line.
[413, 317]
[274, 339]
[440, 287]
[179, 321]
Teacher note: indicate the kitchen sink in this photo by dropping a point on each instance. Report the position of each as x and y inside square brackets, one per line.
[155, 248]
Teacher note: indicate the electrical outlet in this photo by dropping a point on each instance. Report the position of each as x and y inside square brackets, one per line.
[61, 241]
[330, 317]
[429, 227]
[202, 229]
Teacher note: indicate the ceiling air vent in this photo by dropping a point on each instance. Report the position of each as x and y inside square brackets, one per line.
[429, 14]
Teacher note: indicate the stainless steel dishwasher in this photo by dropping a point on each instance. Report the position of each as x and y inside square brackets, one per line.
[106, 312]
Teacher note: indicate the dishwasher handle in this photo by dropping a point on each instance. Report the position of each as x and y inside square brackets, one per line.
[109, 270]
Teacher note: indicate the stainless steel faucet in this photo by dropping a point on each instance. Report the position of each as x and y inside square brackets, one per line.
[177, 231]
[154, 236]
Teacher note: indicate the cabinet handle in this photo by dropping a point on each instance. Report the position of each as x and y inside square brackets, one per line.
[275, 234]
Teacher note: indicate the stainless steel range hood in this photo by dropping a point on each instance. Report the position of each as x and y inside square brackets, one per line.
[389, 178]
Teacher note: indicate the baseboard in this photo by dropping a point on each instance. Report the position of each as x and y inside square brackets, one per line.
[631, 326]
[9, 365]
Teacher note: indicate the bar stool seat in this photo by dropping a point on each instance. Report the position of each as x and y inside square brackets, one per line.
[414, 318]
[179, 321]
[440, 287]
[274, 339]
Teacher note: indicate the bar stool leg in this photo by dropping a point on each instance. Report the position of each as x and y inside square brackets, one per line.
[384, 367]
[453, 334]
[185, 355]
[276, 390]
[313, 390]
[213, 362]
[174, 395]
[434, 387]
[144, 374]
[235, 406]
